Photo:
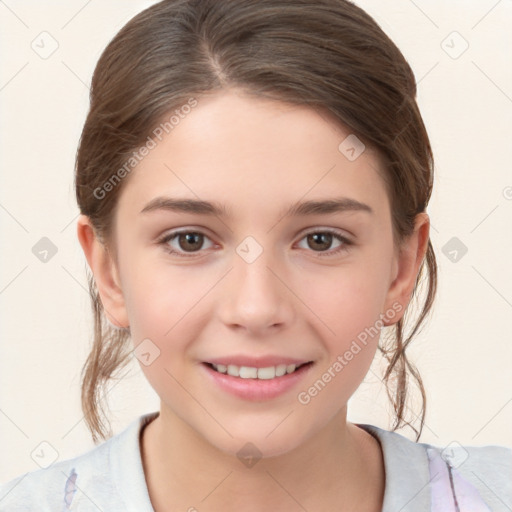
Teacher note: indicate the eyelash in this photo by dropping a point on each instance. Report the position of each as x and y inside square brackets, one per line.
[346, 243]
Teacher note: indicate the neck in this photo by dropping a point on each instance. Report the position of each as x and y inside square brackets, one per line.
[340, 467]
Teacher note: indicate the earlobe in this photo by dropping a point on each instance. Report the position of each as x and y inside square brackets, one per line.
[407, 265]
[105, 273]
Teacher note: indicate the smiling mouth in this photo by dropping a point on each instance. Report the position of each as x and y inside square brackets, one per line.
[250, 372]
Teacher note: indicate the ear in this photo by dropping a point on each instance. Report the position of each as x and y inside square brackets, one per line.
[406, 267]
[105, 273]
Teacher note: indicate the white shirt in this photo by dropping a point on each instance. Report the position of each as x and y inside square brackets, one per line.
[110, 478]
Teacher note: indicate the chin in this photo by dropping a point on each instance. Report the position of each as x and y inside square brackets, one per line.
[247, 451]
[256, 443]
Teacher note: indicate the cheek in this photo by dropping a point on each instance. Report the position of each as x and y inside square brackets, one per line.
[164, 321]
[347, 300]
[350, 326]
[168, 309]
[158, 296]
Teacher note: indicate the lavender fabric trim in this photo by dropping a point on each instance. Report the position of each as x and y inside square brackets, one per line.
[450, 492]
[69, 490]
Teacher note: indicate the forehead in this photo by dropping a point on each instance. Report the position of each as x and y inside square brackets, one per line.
[244, 151]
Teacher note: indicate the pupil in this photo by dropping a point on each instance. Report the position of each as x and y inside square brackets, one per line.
[194, 241]
[322, 240]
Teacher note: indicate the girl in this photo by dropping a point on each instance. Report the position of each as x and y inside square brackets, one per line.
[253, 178]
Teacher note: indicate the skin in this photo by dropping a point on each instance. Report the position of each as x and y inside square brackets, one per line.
[256, 157]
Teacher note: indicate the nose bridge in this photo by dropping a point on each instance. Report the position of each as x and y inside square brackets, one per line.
[256, 299]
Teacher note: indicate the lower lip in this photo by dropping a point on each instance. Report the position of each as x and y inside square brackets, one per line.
[257, 389]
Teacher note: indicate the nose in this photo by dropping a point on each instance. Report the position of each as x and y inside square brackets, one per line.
[255, 297]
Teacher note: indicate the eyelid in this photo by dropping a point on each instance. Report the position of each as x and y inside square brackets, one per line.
[334, 231]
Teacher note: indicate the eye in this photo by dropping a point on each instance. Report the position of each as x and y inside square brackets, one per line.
[322, 241]
[188, 243]
[182, 242]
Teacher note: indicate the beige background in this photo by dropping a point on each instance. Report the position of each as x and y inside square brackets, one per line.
[465, 352]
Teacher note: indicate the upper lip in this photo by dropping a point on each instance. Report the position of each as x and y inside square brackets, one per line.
[256, 362]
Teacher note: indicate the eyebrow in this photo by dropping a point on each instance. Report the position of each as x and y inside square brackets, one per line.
[200, 207]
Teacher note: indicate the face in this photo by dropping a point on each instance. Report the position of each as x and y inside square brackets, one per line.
[246, 237]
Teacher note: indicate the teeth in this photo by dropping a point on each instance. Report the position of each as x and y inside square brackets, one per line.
[280, 370]
[249, 372]
[232, 370]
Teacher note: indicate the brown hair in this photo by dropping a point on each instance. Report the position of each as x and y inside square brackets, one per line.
[326, 54]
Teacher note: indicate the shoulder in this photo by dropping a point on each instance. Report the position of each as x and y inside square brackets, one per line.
[54, 487]
[488, 469]
[420, 476]
[90, 481]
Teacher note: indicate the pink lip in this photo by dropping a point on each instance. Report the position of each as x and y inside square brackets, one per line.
[255, 389]
[256, 362]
